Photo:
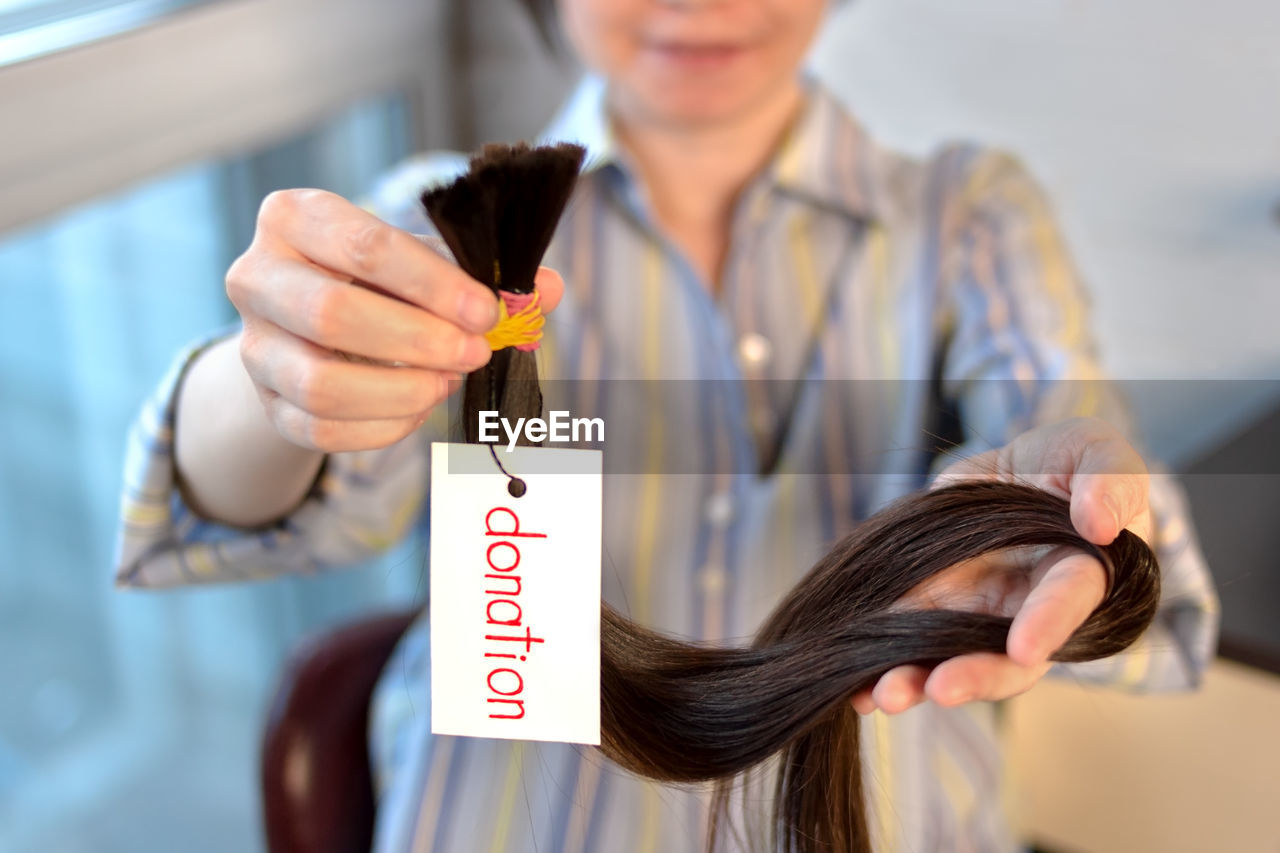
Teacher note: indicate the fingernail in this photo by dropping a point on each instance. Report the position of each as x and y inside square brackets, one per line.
[479, 310]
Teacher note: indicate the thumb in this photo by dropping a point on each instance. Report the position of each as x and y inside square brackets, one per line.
[1109, 490]
[550, 288]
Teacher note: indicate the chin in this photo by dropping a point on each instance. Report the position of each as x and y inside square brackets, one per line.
[694, 103]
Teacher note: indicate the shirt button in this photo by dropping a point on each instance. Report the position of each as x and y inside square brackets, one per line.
[713, 578]
[719, 509]
[754, 351]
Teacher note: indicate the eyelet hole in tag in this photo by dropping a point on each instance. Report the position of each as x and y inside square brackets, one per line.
[515, 592]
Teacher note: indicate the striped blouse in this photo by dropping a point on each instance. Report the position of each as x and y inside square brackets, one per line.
[877, 316]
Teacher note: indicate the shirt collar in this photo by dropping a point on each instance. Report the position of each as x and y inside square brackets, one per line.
[825, 158]
[584, 119]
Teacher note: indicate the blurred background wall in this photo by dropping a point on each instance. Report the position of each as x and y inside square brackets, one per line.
[130, 172]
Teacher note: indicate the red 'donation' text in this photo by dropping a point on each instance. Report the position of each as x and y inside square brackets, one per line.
[509, 640]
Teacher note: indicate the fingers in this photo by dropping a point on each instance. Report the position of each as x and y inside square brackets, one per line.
[330, 231]
[863, 702]
[980, 677]
[1084, 459]
[325, 281]
[338, 315]
[1070, 590]
[969, 678]
[335, 436]
[1071, 585]
[550, 288]
[322, 384]
[1088, 461]
[900, 688]
[896, 690]
[1109, 489]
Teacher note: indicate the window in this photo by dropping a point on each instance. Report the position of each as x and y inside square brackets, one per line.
[30, 28]
[130, 721]
[219, 77]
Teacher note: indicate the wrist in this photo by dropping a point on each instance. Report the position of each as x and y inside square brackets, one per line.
[231, 464]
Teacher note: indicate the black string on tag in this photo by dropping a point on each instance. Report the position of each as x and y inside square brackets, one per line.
[515, 486]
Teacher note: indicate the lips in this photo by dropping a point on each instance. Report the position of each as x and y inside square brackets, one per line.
[699, 55]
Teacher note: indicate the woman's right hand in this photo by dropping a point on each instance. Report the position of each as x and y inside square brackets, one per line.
[325, 280]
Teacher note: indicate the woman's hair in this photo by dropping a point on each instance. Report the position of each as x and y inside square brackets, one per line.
[683, 712]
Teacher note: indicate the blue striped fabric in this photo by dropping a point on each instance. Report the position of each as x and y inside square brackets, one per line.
[749, 425]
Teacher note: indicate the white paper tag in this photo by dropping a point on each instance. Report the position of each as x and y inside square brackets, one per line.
[515, 594]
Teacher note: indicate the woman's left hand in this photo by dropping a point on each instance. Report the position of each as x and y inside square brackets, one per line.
[1049, 593]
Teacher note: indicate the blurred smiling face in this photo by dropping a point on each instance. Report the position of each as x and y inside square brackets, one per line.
[693, 62]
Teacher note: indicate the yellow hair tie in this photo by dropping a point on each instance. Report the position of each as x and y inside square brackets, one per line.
[522, 329]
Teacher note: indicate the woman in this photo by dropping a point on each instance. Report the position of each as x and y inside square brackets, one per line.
[733, 223]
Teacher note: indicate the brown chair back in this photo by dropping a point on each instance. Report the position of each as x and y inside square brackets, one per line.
[317, 790]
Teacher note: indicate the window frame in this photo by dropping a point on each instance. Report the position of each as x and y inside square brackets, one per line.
[221, 77]
[30, 31]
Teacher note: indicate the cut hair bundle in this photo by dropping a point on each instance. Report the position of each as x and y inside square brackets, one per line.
[683, 712]
[498, 220]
